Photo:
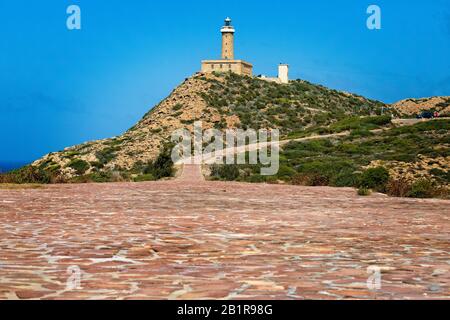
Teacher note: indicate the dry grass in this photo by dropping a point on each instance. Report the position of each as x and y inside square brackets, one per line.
[398, 187]
[11, 186]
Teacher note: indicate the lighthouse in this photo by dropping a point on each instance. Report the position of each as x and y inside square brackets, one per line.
[227, 63]
[227, 40]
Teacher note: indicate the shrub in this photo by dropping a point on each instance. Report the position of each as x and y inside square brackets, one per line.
[177, 107]
[271, 179]
[106, 155]
[100, 177]
[28, 174]
[318, 180]
[54, 168]
[398, 188]
[441, 175]
[82, 179]
[361, 133]
[350, 148]
[256, 178]
[379, 120]
[157, 130]
[323, 131]
[358, 123]
[80, 166]
[97, 165]
[299, 180]
[310, 179]
[286, 172]
[364, 192]
[375, 178]
[326, 172]
[70, 154]
[225, 172]
[346, 179]
[162, 167]
[422, 188]
[144, 177]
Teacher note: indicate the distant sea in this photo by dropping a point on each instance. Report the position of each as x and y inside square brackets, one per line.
[8, 166]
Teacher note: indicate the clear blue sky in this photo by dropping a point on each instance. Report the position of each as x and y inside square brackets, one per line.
[59, 87]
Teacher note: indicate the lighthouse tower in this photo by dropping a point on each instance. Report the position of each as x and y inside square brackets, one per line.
[227, 40]
[227, 63]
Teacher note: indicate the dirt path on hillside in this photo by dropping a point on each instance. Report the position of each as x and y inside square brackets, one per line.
[220, 154]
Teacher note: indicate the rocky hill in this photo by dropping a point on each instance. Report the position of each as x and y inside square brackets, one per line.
[411, 107]
[219, 101]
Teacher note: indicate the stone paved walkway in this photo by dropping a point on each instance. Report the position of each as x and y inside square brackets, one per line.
[189, 239]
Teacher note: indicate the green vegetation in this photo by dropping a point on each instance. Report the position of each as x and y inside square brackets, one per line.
[296, 107]
[358, 123]
[162, 167]
[364, 191]
[99, 177]
[106, 155]
[26, 175]
[341, 162]
[144, 177]
[102, 177]
[80, 166]
[177, 107]
[375, 178]
[48, 172]
[157, 130]
[441, 175]
[358, 126]
[422, 188]
[225, 172]
[71, 154]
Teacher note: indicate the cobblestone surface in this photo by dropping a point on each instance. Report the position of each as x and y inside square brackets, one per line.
[192, 239]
